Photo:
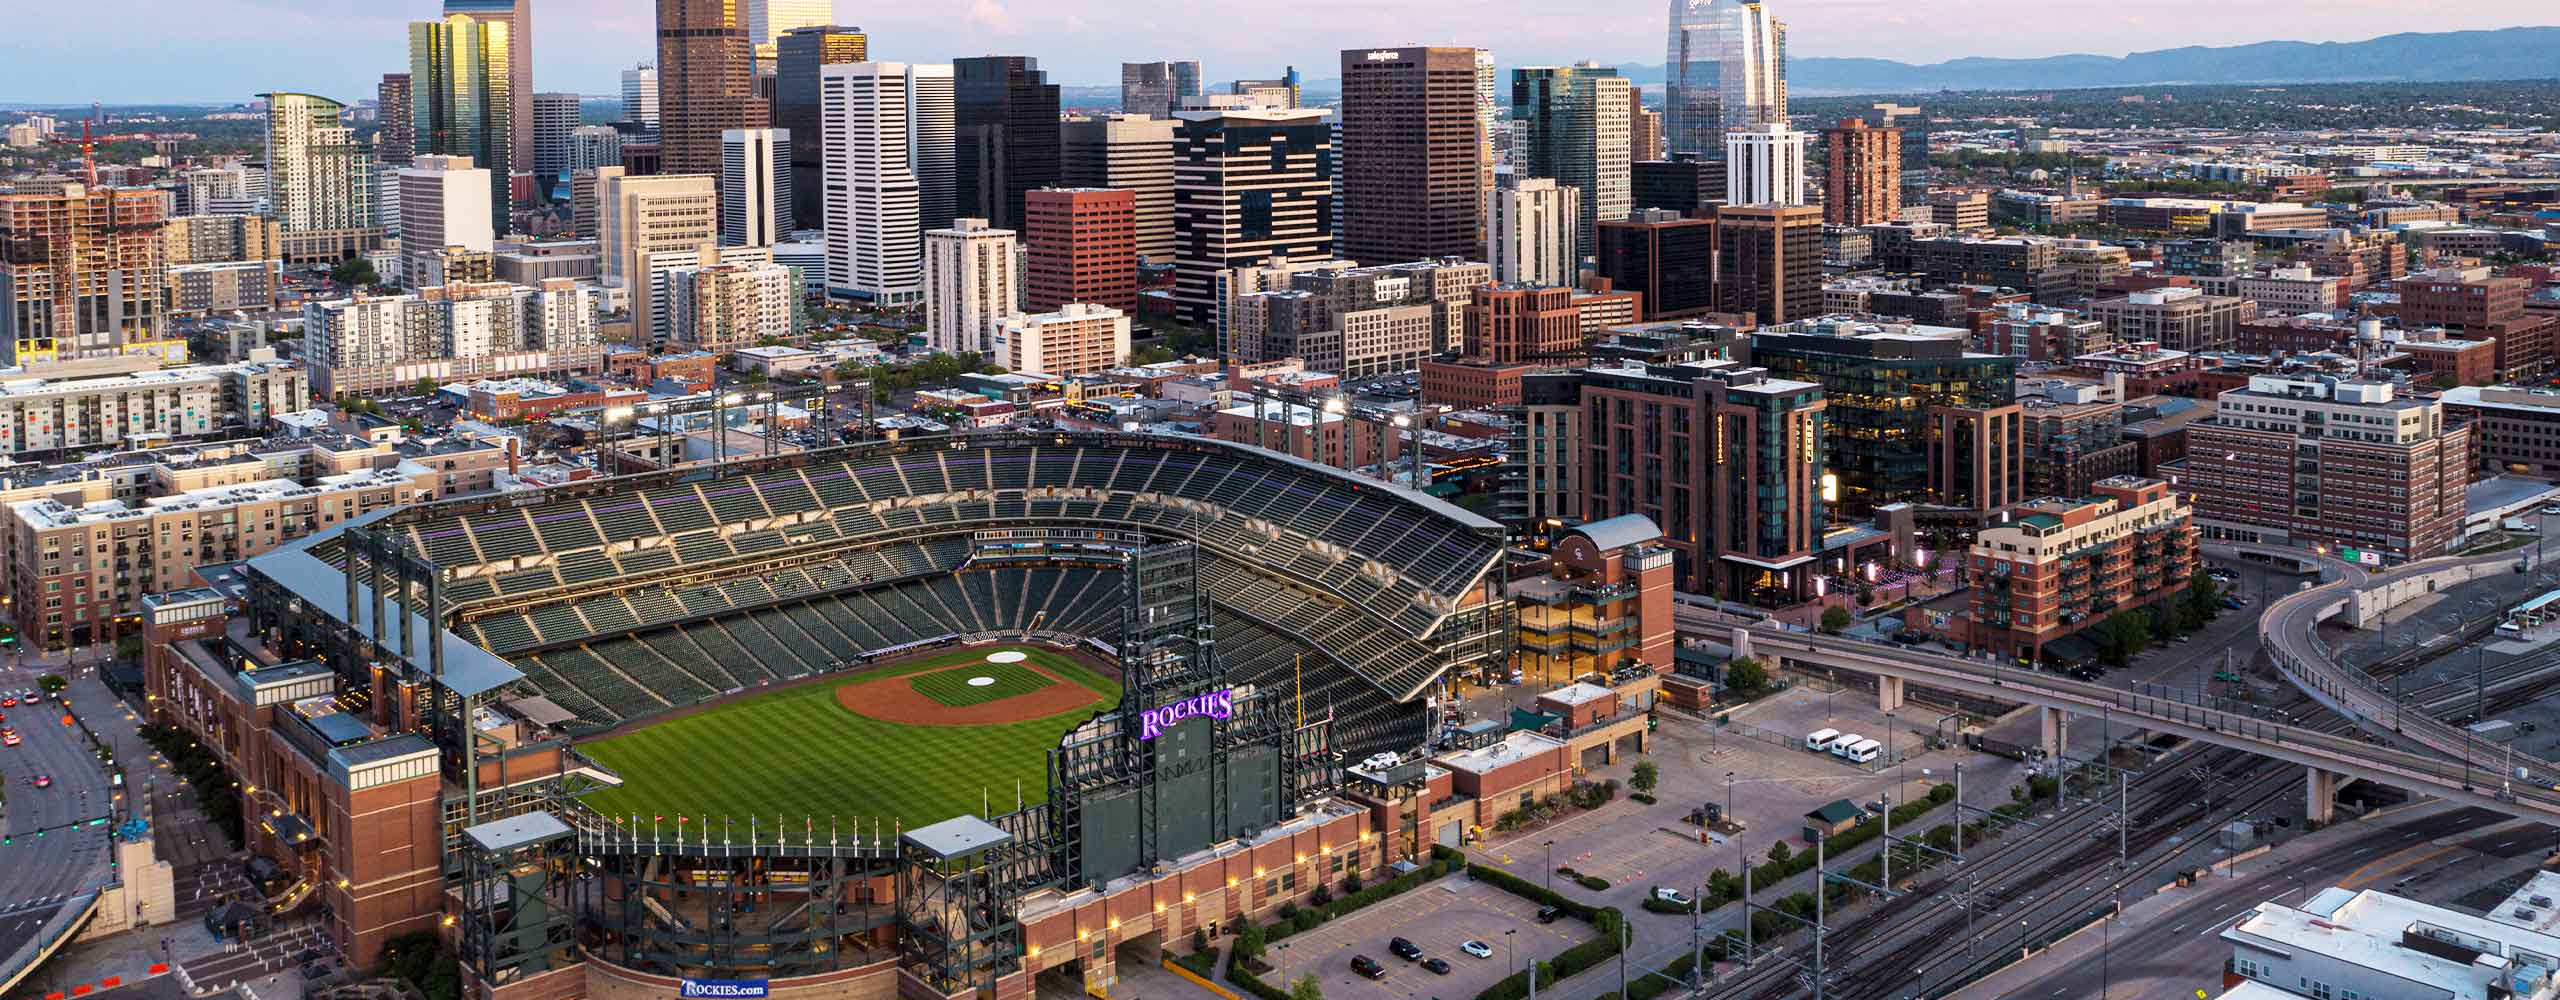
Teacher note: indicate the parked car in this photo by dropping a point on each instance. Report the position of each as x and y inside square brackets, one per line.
[1477, 948]
[1403, 949]
[1670, 895]
[1368, 967]
[1438, 966]
[1548, 914]
[44, 781]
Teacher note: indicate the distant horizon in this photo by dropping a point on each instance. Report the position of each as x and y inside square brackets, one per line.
[228, 50]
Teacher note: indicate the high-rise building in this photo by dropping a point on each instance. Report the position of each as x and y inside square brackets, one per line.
[2303, 461]
[1156, 89]
[2481, 307]
[1570, 123]
[1764, 165]
[640, 97]
[1529, 234]
[1284, 92]
[1412, 151]
[2067, 562]
[723, 305]
[1895, 390]
[755, 186]
[1511, 324]
[1644, 128]
[706, 82]
[1688, 183]
[769, 20]
[517, 16]
[1726, 459]
[1489, 98]
[1075, 339]
[1130, 153]
[874, 245]
[1080, 245]
[555, 117]
[640, 216]
[1769, 261]
[460, 69]
[1725, 68]
[1668, 259]
[592, 146]
[319, 177]
[1007, 135]
[1864, 183]
[395, 139]
[83, 270]
[797, 106]
[451, 333]
[1248, 186]
[444, 205]
[969, 289]
[933, 132]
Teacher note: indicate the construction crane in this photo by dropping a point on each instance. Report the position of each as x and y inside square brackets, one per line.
[88, 143]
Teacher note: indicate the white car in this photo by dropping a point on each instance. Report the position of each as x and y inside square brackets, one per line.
[1381, 761]
[1476, 948]
[1670, 895]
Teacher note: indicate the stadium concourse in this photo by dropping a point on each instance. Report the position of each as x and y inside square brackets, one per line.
[1001, 693]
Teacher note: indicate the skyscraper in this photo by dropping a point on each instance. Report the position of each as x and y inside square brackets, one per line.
[460, 69]
[555, 115]
[755, 186]
[1570, 123]
[1247, 186]
[517, 15]
[932, 143]
[1668, 259]
[1132, 153]
[1156, 89]
[1412, 154]
[640, 96]
[968, 286]
[769, 20]
[1080, 245]
[396, 138]
[1864, 183]
[874, 248]
[1764, 165]
[1644, 128]
[1725, 68]
[706, 82]
[800, 52]
[319, 178]
[444, 204]
[1529, 235]
[1007, 120]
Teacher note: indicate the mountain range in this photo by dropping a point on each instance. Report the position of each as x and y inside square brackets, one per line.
[2416, 57]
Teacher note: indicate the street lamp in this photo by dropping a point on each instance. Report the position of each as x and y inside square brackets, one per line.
[1551, 866]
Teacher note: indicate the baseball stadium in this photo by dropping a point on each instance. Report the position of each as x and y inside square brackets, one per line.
[969, 715]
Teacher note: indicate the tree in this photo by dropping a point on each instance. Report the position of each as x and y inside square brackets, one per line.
[426, 387]
[1249, 940]
[1836, 618]
[1744, 675]
[1779, 853]
[2122, 635]
[354, 271]
[2201, 601]
[52, 683]
[1645, 775]
[1306, 988]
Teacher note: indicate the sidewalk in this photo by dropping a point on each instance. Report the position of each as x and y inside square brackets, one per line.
[2082, 948]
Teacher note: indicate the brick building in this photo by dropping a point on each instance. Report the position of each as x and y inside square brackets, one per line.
[2065, 565]
[2385, 473]
[1600, 602]
[1080, 245]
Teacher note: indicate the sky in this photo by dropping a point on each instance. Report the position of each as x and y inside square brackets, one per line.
[136, 51]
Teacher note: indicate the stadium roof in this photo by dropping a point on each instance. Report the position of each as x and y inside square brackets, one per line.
[957, 836]
[468, 669]
[1620, 531]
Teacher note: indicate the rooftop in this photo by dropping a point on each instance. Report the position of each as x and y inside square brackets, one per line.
[1513, 749]
[2414, 941]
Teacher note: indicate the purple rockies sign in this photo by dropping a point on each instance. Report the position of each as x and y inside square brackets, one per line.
[1217, 704]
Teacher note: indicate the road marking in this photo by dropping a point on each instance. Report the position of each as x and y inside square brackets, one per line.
[2354, 879]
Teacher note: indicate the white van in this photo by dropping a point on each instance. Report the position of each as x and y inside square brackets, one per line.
[1861, 752]
[1820, 740]
[1840, 747]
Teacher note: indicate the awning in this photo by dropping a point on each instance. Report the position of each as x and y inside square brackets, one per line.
[1523, 719]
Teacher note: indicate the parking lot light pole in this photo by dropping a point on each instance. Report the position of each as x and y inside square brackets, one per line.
[1551, 866]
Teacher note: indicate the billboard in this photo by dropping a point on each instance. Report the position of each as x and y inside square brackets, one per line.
[723, 988]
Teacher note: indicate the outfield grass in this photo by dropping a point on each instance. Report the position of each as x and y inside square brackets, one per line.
[797, 753]
[951, 687]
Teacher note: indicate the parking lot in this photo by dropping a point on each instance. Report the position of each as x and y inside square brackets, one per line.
[1436, 918]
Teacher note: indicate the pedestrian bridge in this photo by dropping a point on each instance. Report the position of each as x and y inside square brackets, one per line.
[2329, 759]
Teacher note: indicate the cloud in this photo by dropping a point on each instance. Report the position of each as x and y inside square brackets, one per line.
[992, 16]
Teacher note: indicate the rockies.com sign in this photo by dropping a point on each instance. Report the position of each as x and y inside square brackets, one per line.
[724, 988]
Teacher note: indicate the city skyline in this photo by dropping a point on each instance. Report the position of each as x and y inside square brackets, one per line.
[584, 44]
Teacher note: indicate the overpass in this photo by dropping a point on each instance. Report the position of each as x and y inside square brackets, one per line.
[2328, 760]
[2288, 628]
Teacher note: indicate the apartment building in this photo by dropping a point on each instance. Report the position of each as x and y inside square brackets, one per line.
[2064, 565]
[451, 333]
[2325, 461]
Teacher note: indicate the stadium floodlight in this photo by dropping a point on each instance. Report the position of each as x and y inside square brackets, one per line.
[618, 414]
